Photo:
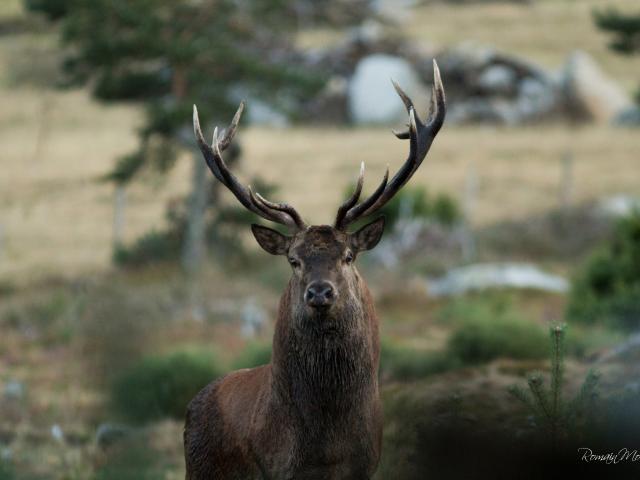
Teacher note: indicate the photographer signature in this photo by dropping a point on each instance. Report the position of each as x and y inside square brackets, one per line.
[622, 455]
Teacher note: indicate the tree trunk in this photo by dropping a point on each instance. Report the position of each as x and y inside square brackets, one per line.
[119, 205]
[194, 246]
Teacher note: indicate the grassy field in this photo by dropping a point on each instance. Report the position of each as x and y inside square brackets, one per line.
[545, 31]
[56, 217]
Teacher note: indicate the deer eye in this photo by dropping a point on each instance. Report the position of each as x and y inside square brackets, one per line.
[294, 262]
[348, 258]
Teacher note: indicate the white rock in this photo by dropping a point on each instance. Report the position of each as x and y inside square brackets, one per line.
[372, 98]
[484, 276]
[618, 205]
[590, 93]
[57, 433]
[535, 99]
[497, 79]
[14, 390]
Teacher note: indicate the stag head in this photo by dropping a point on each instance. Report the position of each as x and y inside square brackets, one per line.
[322, 257]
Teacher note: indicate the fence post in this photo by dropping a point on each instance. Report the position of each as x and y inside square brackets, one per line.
[119, 205]
[44, 126]
[194, 244]
[468, 204]
[565, 191]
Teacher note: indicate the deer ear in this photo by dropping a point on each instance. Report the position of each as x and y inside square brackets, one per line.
[271, 241]
[368, 236]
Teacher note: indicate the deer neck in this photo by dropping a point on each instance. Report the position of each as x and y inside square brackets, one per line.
[330, 370]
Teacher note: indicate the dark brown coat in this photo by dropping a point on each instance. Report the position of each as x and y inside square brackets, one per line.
[314, 412]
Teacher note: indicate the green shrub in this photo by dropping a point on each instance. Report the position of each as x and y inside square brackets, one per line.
[53, 9]
[582, 341]
[490, 329]
[445, 209]
[161, 386]
[410, 201]
[254, 354]
[401, 363]
[6, 471]
[152, 247]
[415, 202]
[132, 462]
[607, 289]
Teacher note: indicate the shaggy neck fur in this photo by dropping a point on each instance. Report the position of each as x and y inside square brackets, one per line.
[325, 363]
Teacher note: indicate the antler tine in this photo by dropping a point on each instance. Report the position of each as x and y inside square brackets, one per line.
[408, 103]
[279, 213]
[436, 118]
[283, 207]
[340, 223]
[373, 198]
[353, 199]
[230, 132]
[420, 137]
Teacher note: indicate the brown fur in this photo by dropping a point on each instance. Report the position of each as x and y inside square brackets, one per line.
[314, 412]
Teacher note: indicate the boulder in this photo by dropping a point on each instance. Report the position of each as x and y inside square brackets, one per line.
[480, 109]
[109, 434]
[371, 98]
[618, 206]
[488, 86]
[629, 117]
[536, 99]
[498, 80]
[590, 94]
[484, 276]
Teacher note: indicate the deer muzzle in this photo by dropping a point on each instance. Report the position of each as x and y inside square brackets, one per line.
[320, 294]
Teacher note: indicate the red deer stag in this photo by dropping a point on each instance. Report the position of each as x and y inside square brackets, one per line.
[314, 412]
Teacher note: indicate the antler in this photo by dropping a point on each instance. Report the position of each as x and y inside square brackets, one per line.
[275, 212]
[420, 137]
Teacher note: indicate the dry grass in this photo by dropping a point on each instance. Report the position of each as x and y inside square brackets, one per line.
[545, 31]
[55, 217]
[10, 7]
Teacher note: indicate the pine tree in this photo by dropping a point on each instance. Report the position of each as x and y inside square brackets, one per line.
[168, 55]
[551, 411]
[625, 29]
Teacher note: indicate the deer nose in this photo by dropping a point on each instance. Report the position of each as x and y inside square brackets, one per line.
[319, 294]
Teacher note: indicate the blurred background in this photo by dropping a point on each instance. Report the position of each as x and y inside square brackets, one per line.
[129, 280]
